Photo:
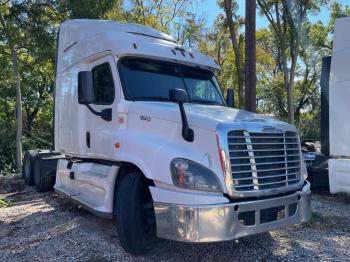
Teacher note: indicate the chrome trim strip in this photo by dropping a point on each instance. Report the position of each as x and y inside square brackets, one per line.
[210, 223]
[266, 150]
[270, 176]
[268, 163]
[277, 156]
[265, 170]
[288, 137]
[251, 161]
[266, 184]
[258, 144]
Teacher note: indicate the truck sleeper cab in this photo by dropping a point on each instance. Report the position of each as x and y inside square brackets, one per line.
[143, 135]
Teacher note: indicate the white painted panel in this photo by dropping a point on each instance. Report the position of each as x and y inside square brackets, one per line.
[339, 175]
[341, 34]
[63, 182]
[69, 113]
[339, 91]
[95, 184]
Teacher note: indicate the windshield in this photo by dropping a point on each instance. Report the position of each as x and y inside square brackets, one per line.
[151, 80]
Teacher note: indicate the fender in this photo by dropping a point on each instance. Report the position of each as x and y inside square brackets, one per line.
[161, 150]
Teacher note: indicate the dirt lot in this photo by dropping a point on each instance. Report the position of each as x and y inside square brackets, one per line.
[45, 227]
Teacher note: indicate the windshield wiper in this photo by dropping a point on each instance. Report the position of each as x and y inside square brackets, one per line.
[206, 102]
[151, 98]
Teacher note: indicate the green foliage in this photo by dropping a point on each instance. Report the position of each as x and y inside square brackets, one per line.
[4, 203]
[90, 9]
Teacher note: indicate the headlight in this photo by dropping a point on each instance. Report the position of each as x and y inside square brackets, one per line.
[190, 175]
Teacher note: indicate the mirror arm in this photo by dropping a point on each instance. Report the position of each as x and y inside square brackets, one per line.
[187, 132]
[105, 114]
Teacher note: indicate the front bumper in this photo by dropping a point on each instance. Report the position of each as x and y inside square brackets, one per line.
[209, 223]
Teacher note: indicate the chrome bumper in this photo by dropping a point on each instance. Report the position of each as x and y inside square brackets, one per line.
[209, 223]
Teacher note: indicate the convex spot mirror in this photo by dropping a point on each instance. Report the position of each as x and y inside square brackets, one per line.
[178, 95]
[85, 88]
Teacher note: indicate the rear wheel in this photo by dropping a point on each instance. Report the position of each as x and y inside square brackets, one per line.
[28, 167]
[43, 183]
[135, 217]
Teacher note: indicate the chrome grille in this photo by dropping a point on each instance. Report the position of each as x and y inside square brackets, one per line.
[263, 161]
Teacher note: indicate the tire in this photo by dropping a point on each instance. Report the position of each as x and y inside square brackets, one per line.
[135, 217]
[42, 183]
[28, 167]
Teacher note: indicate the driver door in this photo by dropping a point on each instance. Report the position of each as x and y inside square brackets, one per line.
[99, 133]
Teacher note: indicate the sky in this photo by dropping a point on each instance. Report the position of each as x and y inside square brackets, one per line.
[210, 10]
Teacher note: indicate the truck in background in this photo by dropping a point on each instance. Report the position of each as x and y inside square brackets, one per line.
[332, 167]
[144, 136]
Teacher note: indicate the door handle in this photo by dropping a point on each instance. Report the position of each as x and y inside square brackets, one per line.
[88, 139]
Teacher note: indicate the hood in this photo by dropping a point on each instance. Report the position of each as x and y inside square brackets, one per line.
[205, 116]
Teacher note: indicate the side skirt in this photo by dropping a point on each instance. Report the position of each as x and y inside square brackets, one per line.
[100, 214]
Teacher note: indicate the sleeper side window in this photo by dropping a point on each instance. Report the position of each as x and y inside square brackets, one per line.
[103, 84]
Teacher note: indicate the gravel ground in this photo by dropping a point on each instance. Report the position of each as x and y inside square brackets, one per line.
[44, 227]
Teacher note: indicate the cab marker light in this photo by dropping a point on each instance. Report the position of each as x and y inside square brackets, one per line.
[121, 120]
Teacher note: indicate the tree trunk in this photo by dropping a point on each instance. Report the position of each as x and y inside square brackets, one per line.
[18, 109]
[236, 50]
[287, 84]
[290, 98]
[18, 94]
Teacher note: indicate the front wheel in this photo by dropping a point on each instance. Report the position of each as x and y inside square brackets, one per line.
[135, 217]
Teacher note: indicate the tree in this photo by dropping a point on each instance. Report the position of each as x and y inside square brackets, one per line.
[233, 23]
[188, 30]
[89, 9]
[216, 43]
[8, 33]
[271, 91]
[159, 14]
[286, 19]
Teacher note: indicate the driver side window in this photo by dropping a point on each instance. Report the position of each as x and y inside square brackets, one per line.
[103, 84]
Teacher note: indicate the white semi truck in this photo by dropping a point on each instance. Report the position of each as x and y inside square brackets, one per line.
[144, 136]
[335, 121]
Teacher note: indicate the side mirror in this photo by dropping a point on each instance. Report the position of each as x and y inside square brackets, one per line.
[178, 95]
[86, 95]
[230, 98]
[85, 90]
